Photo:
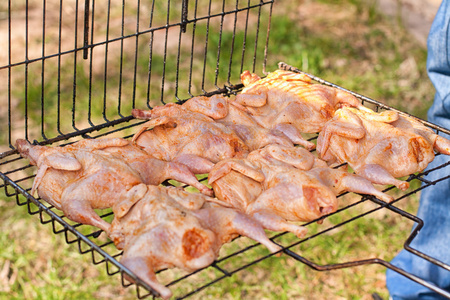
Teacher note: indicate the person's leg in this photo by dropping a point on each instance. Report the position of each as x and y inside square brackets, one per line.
[434, 208]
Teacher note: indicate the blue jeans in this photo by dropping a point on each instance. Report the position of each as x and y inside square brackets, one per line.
[434, 208]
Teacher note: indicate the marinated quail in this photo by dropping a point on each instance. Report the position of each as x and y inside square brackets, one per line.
[92, 174]
[290, 102]
[192, 139]
[164, 227]
[239, 119]
[275, 185]
[381, 147]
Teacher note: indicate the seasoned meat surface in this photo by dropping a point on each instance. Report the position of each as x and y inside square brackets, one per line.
[192, 139]
[164, 227]
[290, 102]
[278, 184]
[92, 174]
[379, 146]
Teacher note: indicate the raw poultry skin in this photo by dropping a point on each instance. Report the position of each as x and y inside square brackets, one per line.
[241, 182]
[92, 174]
[155, 171]
[239, 119]
[164, 227]
[379, 146]
[290, 102]
[192, 139]
[77, 181]
[278, 184]
[304, 181]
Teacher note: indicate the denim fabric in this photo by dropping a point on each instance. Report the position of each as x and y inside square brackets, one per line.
[434, 209]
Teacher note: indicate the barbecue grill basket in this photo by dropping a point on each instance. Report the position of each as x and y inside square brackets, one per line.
[76, 70]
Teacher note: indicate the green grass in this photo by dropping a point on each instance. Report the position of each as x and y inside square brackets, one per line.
[347, 42]
[368, 54]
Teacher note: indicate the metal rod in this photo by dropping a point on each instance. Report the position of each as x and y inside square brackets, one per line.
[26, 69]
[166, 37]
[120, 84]
[206, 47]
[230, 61]
[255, 51]
[266, 48]
[74, 82]
[184, 15]
[177, 70]
[42, 96]
[91, 63]
[9, 76]
[244, 42]
[86, 29]
[136, 51]
[219, 46]
[58, 109]
[384, 263]
[191, 62]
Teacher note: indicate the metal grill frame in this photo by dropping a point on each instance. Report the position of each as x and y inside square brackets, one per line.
[86, 243]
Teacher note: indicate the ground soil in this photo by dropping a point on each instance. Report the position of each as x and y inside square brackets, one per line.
[416, 15]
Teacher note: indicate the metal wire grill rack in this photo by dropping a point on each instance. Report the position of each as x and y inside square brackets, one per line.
[73, 71]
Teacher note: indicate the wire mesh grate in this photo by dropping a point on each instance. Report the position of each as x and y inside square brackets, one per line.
[75, 70]
[90, 70]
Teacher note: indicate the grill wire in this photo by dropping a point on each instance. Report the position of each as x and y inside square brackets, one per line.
[83, 77]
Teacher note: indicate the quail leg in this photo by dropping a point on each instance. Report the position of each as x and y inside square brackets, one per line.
[273, 222]
[196, 164]
[81, 211]
[340, 181]
[142, 267]
[294, 135]
[227, 222]
[242, 166]
[442, 145]
[379, 175]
